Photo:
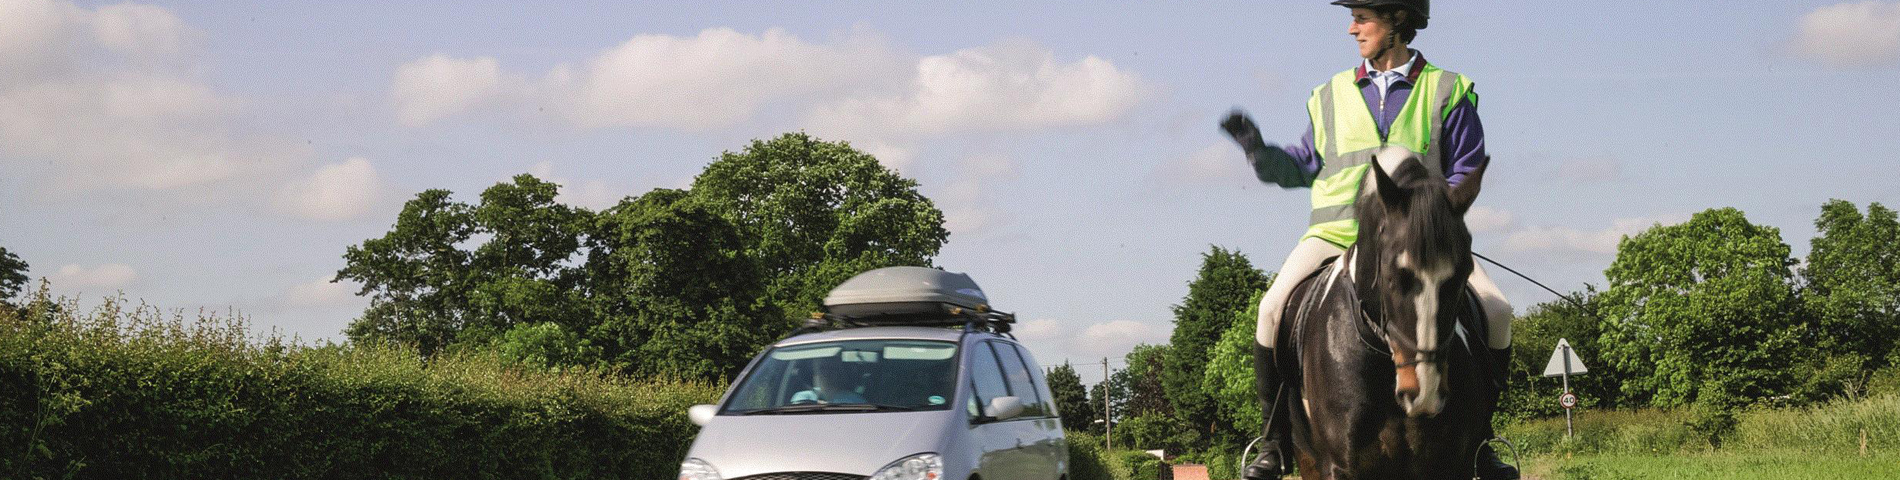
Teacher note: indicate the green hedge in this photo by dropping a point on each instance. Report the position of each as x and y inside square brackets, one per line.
[1089, 461]
[120, 392]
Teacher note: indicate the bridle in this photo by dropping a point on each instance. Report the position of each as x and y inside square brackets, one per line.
[1380, 326]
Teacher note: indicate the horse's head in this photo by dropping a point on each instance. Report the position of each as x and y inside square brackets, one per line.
[1413, 261]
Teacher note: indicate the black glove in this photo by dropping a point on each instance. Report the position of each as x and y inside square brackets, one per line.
[1243, 131]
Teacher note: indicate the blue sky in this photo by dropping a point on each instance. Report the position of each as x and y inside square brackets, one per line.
[210, 155]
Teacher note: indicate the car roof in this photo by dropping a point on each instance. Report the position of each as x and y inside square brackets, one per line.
[862, 333]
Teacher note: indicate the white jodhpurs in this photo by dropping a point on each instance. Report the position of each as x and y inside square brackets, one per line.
[1308, 255]
[1497, 310]
[1305, 258]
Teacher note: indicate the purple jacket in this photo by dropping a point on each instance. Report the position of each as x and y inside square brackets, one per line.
[1462, 139]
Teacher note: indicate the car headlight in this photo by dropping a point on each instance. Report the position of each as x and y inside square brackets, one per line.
[923, 466]
[696, 469]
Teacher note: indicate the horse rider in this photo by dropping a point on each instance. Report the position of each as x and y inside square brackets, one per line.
[1394, 98]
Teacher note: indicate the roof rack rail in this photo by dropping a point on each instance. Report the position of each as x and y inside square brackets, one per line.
[980, 319]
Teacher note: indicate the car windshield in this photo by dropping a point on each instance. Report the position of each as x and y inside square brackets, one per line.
[850, 376]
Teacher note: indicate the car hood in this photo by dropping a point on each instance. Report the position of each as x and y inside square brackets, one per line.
[853, 443]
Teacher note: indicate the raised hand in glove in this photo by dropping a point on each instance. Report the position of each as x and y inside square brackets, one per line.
[1239, 126]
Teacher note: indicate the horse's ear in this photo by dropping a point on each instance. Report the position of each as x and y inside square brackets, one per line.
[1466, 193]
[1386, 189]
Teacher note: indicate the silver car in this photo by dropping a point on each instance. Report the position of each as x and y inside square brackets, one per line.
[885, 401]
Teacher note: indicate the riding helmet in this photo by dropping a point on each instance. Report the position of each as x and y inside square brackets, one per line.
[1421, 9]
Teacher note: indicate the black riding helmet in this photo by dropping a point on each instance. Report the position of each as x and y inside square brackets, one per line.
[1421, 9]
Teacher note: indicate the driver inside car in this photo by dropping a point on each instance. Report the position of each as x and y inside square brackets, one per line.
[832, 382]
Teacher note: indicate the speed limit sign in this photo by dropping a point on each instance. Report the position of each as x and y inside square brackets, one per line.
[1568, 400]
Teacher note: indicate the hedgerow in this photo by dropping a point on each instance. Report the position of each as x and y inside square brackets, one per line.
[122, 391]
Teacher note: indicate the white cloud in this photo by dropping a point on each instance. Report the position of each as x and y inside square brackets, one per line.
[891, 156]
[141, 30]
[1116, 338]
[321, 293]
[594, 194]
[438, 86]
[715, 79]
[852, 86]
[1482, 219]
[339, 191]
[1038, 330]
[1575, 241]
[967, 203]
[1005, 86]
[110, 97]
[1849, 35]
[1056, 340]
[109, 275]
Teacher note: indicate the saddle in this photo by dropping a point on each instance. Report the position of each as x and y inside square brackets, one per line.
[1333, 278]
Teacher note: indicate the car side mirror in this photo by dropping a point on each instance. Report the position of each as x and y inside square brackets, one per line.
[1005, 408]
[702, 414]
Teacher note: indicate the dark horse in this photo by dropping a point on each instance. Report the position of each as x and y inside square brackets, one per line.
[1387, 381]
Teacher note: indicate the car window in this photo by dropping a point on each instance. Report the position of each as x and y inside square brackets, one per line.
[1020, 383]
[1042, 384]
[906, 374]
[986, 375]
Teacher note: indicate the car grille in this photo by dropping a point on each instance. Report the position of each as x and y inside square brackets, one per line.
[803, 476]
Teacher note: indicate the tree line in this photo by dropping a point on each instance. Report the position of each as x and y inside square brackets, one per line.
[680, 283]
[1713, 314]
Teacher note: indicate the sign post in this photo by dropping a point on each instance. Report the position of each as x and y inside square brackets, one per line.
[1564, 362]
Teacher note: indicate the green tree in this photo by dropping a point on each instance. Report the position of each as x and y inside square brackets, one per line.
[546, 345]
[1705, 309]
[819, 212]
[1229, 379]
[1071, 399]
[428, 289]
[1147, 394]
[1852, 291]
[1220, 292]
[674, 289]
[1534, 335]
[12, 275]
[687, 283]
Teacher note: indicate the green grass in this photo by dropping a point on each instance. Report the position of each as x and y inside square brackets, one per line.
[1778, 465]
[1821, 442]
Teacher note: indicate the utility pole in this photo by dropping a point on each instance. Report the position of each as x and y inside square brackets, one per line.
[1108, 425]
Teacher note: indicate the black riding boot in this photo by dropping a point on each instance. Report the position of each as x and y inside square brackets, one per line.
[1489, 466]
[1274, 448]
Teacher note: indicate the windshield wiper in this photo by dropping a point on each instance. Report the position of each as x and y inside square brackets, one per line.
[830, 407]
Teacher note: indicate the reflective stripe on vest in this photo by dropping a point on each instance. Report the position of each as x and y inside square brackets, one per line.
[1346, 136]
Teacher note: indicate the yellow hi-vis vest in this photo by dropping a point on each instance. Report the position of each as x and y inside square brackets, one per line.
[1345, 137]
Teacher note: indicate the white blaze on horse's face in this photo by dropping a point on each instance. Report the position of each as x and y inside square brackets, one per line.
[1430, 377]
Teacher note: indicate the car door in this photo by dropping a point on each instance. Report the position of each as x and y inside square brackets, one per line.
[1042, 429]
[1001, 442]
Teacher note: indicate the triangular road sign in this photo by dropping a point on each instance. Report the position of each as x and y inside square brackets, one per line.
[1556, 366]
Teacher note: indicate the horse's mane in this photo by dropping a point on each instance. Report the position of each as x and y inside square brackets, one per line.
[1428, 225]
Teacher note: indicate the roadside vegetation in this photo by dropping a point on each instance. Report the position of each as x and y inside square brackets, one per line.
[131, 391]
[512, 336]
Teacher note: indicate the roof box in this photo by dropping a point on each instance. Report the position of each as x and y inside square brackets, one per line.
[907, 295]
